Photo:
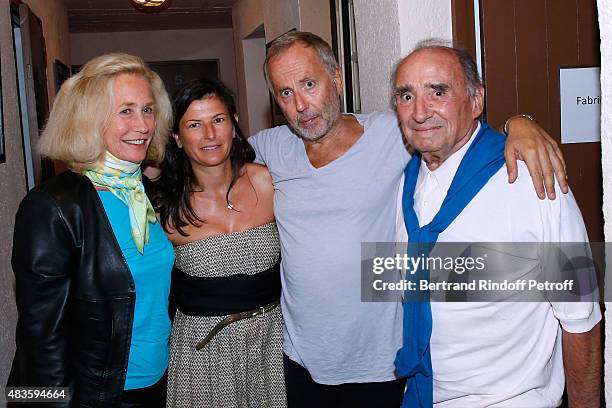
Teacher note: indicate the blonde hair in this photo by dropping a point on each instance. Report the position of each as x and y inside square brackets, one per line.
[82, 109]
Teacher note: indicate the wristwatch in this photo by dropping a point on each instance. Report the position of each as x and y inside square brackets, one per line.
[520, 115]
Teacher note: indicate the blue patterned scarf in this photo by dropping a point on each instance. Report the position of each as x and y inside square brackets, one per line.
[124, 180]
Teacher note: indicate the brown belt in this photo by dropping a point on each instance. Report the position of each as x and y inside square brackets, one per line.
[260, 311]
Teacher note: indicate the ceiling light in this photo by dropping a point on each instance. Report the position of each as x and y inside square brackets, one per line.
[148, 3]
[151, 6]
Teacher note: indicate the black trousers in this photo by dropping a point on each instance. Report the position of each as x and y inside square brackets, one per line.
[148, 397]
[303, 392]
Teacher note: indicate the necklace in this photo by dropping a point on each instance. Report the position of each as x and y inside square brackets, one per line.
[230, 205]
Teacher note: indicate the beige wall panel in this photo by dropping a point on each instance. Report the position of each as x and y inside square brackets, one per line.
[280, 17]
[166, 45]
[277, 17]
[54, 18]
[254, 50]
[12, 189]
[314, 16]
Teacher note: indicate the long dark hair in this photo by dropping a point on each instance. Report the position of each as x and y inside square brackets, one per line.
[171, 192]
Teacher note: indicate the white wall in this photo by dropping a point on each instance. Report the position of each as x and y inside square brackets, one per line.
[386, 31]
[420, 20]
[377, 27]
[163, 45]
[605, 29]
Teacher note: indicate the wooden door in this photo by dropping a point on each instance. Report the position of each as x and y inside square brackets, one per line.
[524, 44]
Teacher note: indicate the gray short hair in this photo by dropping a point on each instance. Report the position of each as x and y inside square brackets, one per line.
[282, 43]
[465, 59]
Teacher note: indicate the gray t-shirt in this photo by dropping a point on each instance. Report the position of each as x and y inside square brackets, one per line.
[323, 216]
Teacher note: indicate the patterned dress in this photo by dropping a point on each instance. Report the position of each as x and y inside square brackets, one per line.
[242, 366]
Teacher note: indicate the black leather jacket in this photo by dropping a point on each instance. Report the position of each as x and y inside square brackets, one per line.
[75, 295]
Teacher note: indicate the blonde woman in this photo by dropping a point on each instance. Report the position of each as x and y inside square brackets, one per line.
[92, 264]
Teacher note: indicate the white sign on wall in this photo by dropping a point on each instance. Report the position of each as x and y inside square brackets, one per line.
[580, 105]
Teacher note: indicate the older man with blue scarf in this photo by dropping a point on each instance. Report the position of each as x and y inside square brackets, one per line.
[455, 190]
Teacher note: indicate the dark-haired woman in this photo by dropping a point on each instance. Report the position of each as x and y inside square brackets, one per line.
[216, 207]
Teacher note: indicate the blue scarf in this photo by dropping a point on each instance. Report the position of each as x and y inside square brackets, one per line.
[483, 159]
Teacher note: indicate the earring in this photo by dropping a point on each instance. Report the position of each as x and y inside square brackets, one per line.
[176, 140]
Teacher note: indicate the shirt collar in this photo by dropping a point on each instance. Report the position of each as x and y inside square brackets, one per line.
[446, 172]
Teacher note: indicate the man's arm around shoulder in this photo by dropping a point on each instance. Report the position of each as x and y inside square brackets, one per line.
[261, 143]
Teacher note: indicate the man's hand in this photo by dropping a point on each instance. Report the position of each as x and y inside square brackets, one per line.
[582, 363]
[528, 142]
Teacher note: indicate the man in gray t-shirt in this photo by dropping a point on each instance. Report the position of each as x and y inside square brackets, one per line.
[336, 179]
[323, 215]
